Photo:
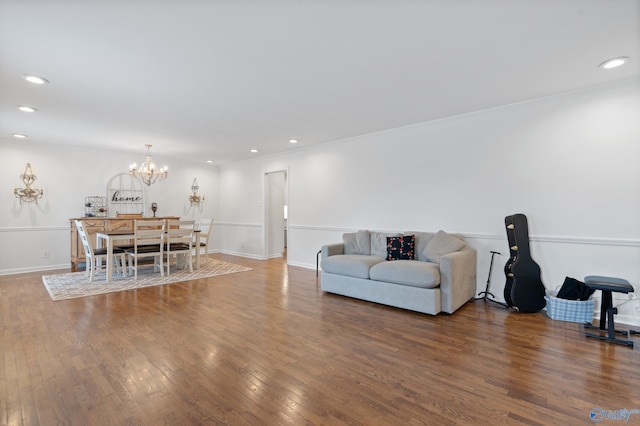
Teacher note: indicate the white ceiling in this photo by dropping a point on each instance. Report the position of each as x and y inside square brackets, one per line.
[211, 79]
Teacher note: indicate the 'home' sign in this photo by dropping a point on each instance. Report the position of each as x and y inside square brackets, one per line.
[125, 194]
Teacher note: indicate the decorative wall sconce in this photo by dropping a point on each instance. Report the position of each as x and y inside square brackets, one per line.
[194, 198]
[28, 194]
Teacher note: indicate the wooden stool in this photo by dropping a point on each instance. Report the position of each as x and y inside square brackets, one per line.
[608, 285]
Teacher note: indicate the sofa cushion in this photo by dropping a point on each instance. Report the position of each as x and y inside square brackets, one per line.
[379, 243]
[421, 241]
[441, 244]
[352, 265]
[407, 272]
[400, 248]
[357, 243]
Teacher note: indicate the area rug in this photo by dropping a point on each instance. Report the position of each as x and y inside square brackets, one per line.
[76, 284]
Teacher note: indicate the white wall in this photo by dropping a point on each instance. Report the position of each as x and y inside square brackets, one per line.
[569, 162]
[67, 175]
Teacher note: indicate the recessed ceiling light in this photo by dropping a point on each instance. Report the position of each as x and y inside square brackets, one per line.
[25, 108]
[255, 150]
[293, 140]
[35, 79]
[614, 63]
[19, 136]
[209, 161]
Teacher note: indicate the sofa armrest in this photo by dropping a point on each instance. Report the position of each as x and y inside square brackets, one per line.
[457, 278]
[332, 250]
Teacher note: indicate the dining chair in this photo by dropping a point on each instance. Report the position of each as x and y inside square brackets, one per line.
[148, 241]
[179, 242]
[95, 256]
[206, 230]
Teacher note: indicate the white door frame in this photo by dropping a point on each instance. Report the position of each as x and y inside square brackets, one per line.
[267, 203]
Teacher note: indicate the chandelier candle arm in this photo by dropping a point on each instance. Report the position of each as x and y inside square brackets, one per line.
[149, 173]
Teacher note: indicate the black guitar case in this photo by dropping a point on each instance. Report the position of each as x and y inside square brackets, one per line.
[527, 290]
[511, 238]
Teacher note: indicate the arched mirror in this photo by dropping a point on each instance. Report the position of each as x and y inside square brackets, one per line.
[125, 195]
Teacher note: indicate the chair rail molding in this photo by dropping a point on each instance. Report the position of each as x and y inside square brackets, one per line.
[238, 224]
[564, 239]
[34, 228]
[559, 239]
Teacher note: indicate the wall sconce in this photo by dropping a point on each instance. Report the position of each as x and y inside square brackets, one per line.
[194, 198]
[28, 194]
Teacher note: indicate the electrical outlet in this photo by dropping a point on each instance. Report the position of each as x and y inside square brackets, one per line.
[45, 254]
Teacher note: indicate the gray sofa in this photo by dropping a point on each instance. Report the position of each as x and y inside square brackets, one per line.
[440, 278]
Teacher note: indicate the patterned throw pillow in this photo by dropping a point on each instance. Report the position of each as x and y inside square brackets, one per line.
[400, 248]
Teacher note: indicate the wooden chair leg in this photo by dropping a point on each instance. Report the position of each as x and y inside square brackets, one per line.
[124, 265]
[120, 263]
[132, 267]
[92, 269]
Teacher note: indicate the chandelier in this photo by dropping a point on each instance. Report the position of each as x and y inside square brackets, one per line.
[148, 172]
[28, 194]
[194, 198]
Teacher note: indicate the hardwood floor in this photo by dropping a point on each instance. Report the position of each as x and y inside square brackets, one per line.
[269, 347]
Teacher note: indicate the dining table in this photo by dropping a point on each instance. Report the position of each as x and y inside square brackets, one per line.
[106, 239]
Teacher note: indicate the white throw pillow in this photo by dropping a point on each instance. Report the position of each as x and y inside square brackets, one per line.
[441, 244]
[357, 243]
[349, 241]
[363, 242]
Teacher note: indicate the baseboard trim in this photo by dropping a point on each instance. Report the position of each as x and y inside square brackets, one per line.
[301, 265]
[26, 270]
[239, 254]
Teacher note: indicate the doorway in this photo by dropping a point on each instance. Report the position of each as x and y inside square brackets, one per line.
[276, 212]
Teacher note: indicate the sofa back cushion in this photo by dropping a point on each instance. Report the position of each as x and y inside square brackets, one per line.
[379, 243]
[357, 243]
[423, 239]
[375, 243]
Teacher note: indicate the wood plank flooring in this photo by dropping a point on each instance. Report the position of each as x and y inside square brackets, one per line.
[268, 347]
